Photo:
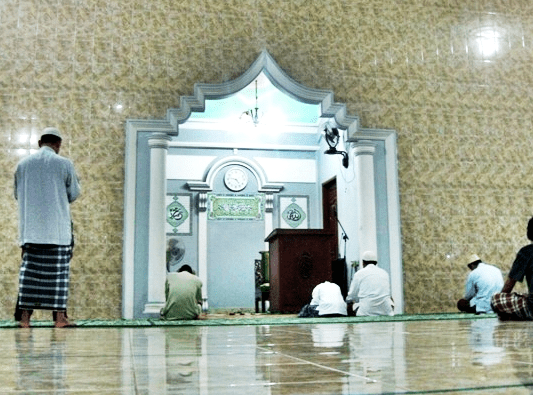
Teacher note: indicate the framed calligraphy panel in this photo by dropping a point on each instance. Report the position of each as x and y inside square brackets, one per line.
[294, 212]
[178, 214]
[236, 207]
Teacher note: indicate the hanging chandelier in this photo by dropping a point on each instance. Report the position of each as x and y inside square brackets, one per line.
[254, 112]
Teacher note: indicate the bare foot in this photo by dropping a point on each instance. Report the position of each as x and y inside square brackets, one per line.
[25, 319]
[62, 321]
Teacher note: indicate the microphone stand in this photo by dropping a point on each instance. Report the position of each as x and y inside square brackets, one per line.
[344, 237]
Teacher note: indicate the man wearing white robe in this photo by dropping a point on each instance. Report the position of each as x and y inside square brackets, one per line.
[369, 292]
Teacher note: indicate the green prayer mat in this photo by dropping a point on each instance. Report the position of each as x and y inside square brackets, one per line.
[252, 319]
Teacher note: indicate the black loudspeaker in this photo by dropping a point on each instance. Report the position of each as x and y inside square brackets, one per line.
[339, 275]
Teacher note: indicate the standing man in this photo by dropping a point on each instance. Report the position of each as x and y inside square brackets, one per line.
[483, 281]
[45, 185]
[511, 305]
[369, 291]
[183, 295]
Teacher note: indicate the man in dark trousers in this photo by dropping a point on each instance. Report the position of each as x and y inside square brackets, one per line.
[511, 305]
[45, 185]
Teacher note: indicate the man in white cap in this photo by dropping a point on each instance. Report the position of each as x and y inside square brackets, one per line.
[369, 292]
[45, 185]
[482, 282]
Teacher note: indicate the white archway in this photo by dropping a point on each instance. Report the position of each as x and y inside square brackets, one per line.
[176, 118]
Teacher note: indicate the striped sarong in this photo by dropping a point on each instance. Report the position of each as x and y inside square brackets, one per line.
[511, 306]
[44, 277]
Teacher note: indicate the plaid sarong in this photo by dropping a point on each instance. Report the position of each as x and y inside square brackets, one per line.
[511, 306]
[44, 277]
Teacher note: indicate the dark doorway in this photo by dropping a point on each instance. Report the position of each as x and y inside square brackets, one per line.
[329, 209]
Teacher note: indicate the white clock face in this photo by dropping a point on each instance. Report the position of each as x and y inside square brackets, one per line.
[236, 179]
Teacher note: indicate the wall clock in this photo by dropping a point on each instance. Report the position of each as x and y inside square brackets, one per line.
[236, 179]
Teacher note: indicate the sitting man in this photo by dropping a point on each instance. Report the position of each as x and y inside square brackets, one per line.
[369, 292]
[327, 301]
[483, 281]
[183, 294]
[511, 305]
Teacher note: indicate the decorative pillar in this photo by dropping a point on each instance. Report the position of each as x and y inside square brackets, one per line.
[364, 169]
[202, 245]
[157, 270]
[269, 209]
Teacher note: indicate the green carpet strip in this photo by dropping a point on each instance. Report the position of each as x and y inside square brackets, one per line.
[266, 319]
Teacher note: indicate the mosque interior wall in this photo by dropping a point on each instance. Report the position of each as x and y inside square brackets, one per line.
[463, 114]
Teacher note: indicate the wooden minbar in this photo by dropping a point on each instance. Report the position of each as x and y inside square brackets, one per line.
[300, 259]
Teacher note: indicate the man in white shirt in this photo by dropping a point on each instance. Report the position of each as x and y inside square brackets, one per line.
[327, 301]
[45, 185]
[369, 292]
[483, 281]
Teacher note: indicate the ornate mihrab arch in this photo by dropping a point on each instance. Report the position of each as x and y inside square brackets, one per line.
[164, 134]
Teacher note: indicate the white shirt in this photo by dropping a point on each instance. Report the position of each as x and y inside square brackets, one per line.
[45, 185]
[328, 297]
[483, 282]
[370, 292]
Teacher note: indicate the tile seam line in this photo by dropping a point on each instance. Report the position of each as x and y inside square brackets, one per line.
[319, 365]
[464, 389]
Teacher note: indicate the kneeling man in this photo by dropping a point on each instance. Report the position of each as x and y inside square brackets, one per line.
[183, 294]
[483, 281]
[369, 291]
[327, 301]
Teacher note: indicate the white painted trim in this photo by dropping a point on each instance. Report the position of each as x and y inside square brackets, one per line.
[264, 63]
[364, 167]
[202, 251]
[254, 167]
[203, 124]
[329, 109]
[243, 146]
[158, 144]
[128, 247]
[395, 237]
[393, 209]
[133, 128]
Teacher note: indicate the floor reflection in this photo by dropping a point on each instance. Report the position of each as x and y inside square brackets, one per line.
[40, 362]
[482, 344]
[452, 356]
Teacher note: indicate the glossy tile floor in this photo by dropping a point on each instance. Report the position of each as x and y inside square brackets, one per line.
[478, 356]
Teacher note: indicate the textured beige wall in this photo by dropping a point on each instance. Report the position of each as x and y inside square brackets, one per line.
[463, 123]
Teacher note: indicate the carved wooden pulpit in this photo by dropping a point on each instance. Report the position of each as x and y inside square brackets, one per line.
[300, 259]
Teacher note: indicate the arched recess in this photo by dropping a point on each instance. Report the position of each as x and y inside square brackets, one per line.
[256, 169]
[264, 63]
[207, 185]
[168, 132]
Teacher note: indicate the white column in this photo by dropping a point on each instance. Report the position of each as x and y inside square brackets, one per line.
[364, 168]
[202, 244]
[157, 270]
[269, 209]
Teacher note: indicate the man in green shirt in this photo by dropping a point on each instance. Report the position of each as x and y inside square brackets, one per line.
[183, 294]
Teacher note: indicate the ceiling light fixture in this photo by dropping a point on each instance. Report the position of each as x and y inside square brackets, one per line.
[253, 113]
